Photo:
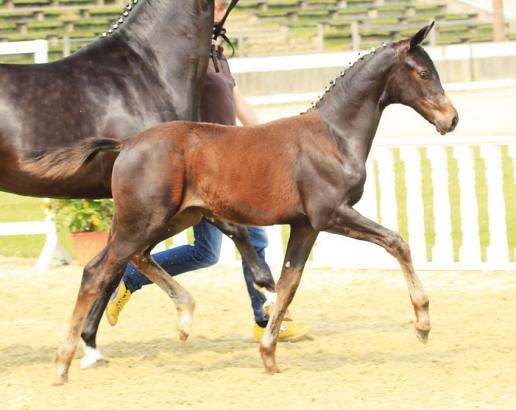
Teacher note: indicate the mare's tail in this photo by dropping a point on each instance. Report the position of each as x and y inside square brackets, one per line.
[66, 161]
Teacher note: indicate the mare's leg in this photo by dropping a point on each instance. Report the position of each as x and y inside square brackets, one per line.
[346, 221]
[106, 267]
[262, 278]
[302, 238]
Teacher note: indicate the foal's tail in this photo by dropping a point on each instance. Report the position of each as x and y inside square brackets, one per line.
[66, 161]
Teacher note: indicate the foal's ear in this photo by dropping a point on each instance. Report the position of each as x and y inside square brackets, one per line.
[420, 35]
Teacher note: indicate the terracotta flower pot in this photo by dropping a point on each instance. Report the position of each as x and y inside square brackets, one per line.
[86, 245]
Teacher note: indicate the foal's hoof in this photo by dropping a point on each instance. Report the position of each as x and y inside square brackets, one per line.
[182, 335]
[60, 380]
[272, 370]
[269, 360]
[422, 335]
[184, 325]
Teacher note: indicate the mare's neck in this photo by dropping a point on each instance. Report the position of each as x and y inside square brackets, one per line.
[354, 104]
[161, 29]
[172, 39]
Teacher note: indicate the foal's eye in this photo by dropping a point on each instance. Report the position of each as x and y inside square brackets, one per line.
[424, 75]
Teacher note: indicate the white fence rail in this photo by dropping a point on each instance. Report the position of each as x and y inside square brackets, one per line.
[37, 47]
[46, 227]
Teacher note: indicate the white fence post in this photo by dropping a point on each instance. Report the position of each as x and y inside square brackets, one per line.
[275, 252]
[227, 252]
[470, 249]
[50, 246]
[386, 179]
[442, 252]
[415, 218]
[497, 251]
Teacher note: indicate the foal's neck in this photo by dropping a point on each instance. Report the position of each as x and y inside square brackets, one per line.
[352, 107]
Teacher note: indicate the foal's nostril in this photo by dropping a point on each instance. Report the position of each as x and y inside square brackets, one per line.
[455, 121]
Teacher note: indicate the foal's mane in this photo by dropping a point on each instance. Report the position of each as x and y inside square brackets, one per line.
[361, 61]
[352, 67]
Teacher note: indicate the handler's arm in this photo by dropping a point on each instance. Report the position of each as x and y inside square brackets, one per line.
[244, 112]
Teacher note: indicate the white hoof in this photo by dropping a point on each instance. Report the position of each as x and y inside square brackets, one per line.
[184, 327]
[269, 302]
[185, 320]
[92, 358]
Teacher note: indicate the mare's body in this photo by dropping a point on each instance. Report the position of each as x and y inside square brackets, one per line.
[149, 70]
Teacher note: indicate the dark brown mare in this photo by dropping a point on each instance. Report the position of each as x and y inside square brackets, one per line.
[148, 70]
[307, 171]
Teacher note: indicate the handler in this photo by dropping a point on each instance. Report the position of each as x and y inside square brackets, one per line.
[221, 103]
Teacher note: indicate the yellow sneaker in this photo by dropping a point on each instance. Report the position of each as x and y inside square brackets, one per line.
[117, 302]
[289, 331]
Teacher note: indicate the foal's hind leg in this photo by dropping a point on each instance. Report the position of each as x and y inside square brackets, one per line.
[299, 245]
[262, 279]
[157, 231]
[347, 221]
[185, 304]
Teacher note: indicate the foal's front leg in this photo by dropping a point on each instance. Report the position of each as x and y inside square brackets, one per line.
[346, 221]
[302, 238]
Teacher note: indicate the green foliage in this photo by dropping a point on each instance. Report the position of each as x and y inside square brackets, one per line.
[510, 200]
[428, 202]
[401, 194]
[83, 215]
[455, 198]
[483, 210]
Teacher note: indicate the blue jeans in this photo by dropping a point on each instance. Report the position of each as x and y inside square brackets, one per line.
[204, 252]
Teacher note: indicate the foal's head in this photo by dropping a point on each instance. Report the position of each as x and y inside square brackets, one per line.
[414, 82]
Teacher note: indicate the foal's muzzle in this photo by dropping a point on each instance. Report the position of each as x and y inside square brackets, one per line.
[445, 117]
[443, 126]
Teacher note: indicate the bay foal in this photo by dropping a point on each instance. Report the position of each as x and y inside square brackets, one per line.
[306, 171]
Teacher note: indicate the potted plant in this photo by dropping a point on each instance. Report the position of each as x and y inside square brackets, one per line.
[88, 221]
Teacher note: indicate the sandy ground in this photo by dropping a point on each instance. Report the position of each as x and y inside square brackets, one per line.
[362, 353]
